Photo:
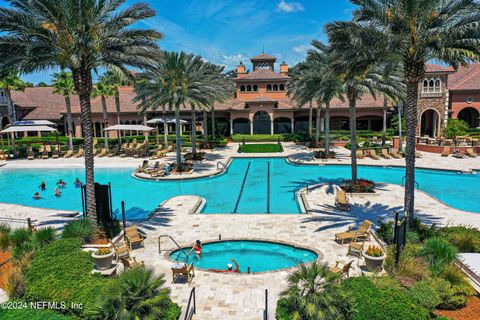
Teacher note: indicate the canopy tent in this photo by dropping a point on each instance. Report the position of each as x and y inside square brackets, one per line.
[34, 123]
[128, 127]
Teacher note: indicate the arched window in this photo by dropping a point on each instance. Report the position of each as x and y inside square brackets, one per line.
[255, 87]
[242, 88]
[282, 87]
[437, 85]
[432, 86]
[269, 87]
[275, 87]
[249, 88]
[425, 85]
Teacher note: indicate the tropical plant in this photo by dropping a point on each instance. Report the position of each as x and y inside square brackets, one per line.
[439, 253]
[464, 238]
[455, 128]
[81, 228]
[414, 32]
[374, 251]
[104, 90]
[11, 81]
[137, 294]
[63, 84]
[313, 293]
[22, 241]
[81, 36]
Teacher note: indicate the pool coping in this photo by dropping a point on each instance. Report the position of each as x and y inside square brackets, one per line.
[319, 254]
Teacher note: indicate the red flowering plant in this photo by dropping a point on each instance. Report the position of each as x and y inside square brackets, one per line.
[362, 186]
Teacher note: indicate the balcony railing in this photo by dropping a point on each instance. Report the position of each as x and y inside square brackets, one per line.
[431, 94]
[3, 101]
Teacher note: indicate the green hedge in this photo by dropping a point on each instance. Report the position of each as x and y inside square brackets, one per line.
[60, 272]
[32, 314]
[268, 137]
[260, 148]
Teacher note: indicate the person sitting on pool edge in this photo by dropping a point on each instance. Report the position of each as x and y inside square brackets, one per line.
[36, 196]
[77, 183]
[197, 247]
[61, 183]
[229, 268]
[43, 186]
[57, 192]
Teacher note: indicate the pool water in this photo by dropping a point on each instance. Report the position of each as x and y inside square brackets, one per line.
[258, 255]
[224, 192]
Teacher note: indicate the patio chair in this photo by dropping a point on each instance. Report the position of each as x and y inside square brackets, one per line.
[3, 156]
[394, 153]
[158, 154]
[344, 271]
[418, 154]
[186, 271]
[30, 153]
[55, 153]
[360, 154]
[356, 248]
[80, 153]
[103, 153]
[131, 263]
[458, 154]
[96, 151]
[373, 154]
[445, 152]
[362, 232]
[68, 154]
[385, 154]
[133, 237]
[44, 153]
[143, 167]
[341, 200]
[122, 250]
[471, 153]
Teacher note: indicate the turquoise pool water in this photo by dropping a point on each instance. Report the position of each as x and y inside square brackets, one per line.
[258, 255]
[222, 192]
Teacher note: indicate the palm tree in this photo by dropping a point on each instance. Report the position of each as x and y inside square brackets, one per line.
[104, 90]
[81, 36]
[137, 294]
[11, 81]
[63, 84]
[313, 293]
[415, 32]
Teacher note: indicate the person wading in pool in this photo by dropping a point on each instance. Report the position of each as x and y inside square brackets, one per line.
[43, 186]
[197, 247]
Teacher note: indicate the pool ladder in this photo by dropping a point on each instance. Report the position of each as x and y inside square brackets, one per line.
[220, 164]
[168, 236]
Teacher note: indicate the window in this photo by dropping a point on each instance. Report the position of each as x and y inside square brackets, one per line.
[249, 88]
[269, 87]
[432, 86]
[255, 87]
[275, 87]
[242, 88]
[282, 87]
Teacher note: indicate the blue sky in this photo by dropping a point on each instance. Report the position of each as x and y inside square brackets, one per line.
[229, 31]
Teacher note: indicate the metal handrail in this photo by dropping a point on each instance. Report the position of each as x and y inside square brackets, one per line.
[188, 314]
[416, 183]
[166, 235]
[265, 311]
[223, 165]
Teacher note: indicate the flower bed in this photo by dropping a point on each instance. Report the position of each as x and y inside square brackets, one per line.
[198, 156]
[361, 186]
[321, 155]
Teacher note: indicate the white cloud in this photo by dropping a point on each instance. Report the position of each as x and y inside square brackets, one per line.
[288, 7]
[301, 48]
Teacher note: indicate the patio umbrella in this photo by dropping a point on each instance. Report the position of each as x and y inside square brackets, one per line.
[28, 128]
[130, 127]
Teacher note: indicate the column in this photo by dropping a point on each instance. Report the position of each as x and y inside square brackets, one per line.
[322, 123]
[231, 126]
[271, 127]
[251, 127]
[181, 128]
[292, 125]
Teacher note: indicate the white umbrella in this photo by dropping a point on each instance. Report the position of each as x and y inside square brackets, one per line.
[128, 127]
[169, 120]
[28, 129]
[34, 123]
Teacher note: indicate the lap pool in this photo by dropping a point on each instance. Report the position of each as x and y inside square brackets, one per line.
[224, 193]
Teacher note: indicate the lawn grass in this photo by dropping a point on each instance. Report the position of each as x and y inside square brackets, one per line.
[260, 148]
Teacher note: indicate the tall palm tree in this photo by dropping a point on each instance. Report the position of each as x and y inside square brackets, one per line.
[80, 35]
[11, 81]
[63, 84]
[314, 293]
[104, 90]
[415, 32]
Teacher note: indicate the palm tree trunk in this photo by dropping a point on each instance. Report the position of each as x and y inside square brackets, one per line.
[69, 122]
[11, 115]
[83, 86]
[194, 129]
[317, 123]
[327, 128]
[178, 142]
[205, 128]
[117, 110]
[353, 131]
[213, 123]
[310, 119]
[165, 127]
[384, 129]
[105, 121]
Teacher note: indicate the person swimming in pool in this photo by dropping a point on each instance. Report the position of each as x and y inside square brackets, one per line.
[36, 196]
[77, 183]
[61, 183]
[230, 268]
[57, 193]
[43, 186]
[197, 247]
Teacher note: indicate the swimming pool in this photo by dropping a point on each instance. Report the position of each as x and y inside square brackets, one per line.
[259, 256]
[223, 192]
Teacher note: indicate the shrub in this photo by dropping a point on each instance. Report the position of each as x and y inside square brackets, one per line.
[410, 264]
[425, 295]
[81, 228]
[15, 285]
[466, 239]
[284, 309]
[31, 314]
[61, 272]
[44, 236]
[451, 296]
[438, 253]
[369, 302]
[198, 156]
[386, 232]
[362, 186]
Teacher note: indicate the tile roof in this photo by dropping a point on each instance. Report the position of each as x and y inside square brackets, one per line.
[263, 57]
[45, 104]
[434, 68]
[262, 74]
[466, 78]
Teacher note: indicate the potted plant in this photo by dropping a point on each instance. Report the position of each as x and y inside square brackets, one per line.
[103, 258]
[374, 257]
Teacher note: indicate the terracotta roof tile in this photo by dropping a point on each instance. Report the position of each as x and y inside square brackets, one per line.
[466, 78]
[263, 57]
[262, 74]
[434, 68]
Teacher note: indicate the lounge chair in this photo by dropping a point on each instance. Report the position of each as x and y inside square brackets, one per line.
[30, 153]
[344, 271]
[159, 172]
[68, 154]
[446, 151]
[133, 237]
[143, 167]
[185, 271]
[394, 153]
[471, 153]
[372, 154]
[362, 232]
[385, 154]
[458, 154]
[360, 154]
[418, 154]
[122, 250]
[44, 152]
[96, 151]
[3, 156]
[103, 153]
[356, 248]
[55, 153]
[158, 154]
[341, 200]
[80, 153]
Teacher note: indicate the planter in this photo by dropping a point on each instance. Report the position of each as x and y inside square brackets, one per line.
[104, 261]
[373, 264]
